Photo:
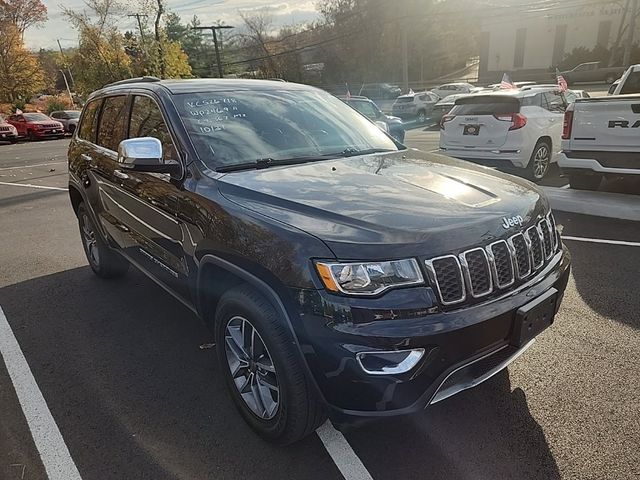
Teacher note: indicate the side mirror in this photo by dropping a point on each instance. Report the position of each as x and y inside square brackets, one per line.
[145, 155]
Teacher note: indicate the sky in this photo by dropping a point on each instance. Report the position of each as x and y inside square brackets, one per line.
[282, 13]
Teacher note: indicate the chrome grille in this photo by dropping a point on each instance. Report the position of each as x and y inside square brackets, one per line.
[475, 265]
[479, 271]
[446, 273]
[535, 246]
[503, 270]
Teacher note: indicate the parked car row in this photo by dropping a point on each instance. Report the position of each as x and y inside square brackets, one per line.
[38, 126]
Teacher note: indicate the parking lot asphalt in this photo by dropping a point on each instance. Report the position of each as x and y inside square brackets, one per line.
[131, 380]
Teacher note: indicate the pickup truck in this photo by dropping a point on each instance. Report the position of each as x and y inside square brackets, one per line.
[601, 136]
[592, 72]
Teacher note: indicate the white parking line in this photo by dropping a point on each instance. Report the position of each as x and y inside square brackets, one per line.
[32, 186]
[342, 454]
[600, 240]
[53, 450]
[30, 166]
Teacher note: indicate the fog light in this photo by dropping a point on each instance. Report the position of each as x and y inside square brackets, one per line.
[389, 363]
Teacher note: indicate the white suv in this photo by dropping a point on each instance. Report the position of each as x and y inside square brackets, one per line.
[513, 130]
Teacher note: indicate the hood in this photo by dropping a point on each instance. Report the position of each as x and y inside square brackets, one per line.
[413, 202]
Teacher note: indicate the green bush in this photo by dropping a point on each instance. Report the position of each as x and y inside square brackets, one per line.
[55, 104]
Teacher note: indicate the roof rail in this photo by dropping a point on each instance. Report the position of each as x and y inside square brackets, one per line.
[134, 80]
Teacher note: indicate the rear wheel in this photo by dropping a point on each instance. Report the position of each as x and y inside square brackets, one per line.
[262, 369]
[540, 161]
[422, 116]
[582, 181]
[104, 262]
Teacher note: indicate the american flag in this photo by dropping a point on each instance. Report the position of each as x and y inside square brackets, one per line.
[506, 82]
[348, 91]
[562, 83]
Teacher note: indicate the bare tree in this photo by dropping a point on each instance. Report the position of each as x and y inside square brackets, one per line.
[258, 26]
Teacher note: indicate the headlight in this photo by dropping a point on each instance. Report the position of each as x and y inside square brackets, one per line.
[369, 278]
[383, 126]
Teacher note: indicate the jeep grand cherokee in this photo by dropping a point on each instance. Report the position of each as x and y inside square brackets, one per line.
[342, 274]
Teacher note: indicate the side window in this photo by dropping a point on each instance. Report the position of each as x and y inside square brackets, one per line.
[147, 121]
[87, 129]
[555, 102]
[113, 122]
[632, 84]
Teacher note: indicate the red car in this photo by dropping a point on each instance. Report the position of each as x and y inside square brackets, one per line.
[8, 132]
[35, 126]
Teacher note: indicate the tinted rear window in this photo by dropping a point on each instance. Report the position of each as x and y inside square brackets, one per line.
[486, 106]
[404, 100]
[632, 85]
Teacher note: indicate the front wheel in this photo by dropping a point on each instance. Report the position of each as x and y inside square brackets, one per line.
[32, 136]
[540, 162]
[422, 116]
[581, 181]
[104, 262]
[262, 368]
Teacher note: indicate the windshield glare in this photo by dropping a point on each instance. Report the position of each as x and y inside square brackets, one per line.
[35, 117]
[229, 128]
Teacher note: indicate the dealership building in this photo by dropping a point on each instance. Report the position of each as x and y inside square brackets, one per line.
[528, 42]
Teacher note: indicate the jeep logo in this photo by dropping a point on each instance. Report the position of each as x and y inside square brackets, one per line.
[623, 124]
[512, 222]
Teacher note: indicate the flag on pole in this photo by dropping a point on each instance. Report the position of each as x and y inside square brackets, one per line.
[348, 95]
[562, 83]
[18, 111]
[506, 81]
[411, 91]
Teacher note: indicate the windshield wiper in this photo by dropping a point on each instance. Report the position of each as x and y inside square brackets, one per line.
[261, 163]
[352, 151]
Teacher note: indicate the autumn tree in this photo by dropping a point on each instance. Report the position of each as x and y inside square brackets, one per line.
[20, 73]
[23, 13]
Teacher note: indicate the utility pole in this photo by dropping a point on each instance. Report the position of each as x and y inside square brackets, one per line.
[64, 58]
[632, 26]
[138, 16]
[405, 54]
[68, 89]
[213, 29]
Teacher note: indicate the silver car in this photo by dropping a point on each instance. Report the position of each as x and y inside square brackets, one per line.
[68, 118]
[416, 106]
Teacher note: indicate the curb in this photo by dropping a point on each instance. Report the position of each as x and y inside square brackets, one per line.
[599, 204]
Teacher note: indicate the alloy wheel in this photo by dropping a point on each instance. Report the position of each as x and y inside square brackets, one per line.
[90, 241]
[252, 368]
[422, 117]
[541, 162]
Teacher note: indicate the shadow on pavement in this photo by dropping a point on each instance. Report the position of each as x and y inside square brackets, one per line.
[120, 367]
[482, 433]
[605, 276]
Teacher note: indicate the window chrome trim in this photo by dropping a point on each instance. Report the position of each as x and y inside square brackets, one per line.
[433, 278]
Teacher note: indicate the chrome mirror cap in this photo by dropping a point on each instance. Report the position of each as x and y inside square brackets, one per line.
[140, 151]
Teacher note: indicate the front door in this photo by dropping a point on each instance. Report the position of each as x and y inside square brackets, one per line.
[146, 204]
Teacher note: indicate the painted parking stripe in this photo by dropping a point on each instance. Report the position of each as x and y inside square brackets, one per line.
[53, 450]
[30, 185]
[600, 240]
[17, 167]
[342, 454]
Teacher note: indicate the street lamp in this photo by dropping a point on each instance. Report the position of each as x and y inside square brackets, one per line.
[213, 29]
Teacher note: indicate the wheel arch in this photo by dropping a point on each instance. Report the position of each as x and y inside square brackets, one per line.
[76, 198]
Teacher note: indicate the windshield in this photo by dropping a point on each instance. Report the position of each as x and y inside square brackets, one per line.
[72, 114]
[229, 128]
[36, 117]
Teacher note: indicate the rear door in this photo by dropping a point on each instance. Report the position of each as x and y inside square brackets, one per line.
[479, 122]
[611, 124]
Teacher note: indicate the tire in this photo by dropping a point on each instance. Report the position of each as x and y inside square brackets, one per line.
[281, 417]
[422, 117]
[582, 181]
[72, 128]
[32, 136]
[105, 262]
[14, 141]
[539, 162]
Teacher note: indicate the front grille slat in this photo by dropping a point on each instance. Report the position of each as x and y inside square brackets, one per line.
[502, 263]
[479, 271]
[535, 246]
[476, 267]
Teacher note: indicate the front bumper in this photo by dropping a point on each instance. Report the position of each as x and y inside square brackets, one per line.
[8, 136]
[332, 331]
[49, 133]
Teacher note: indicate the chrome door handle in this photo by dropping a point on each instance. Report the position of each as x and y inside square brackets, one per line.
[120, 174]
[86, 158]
